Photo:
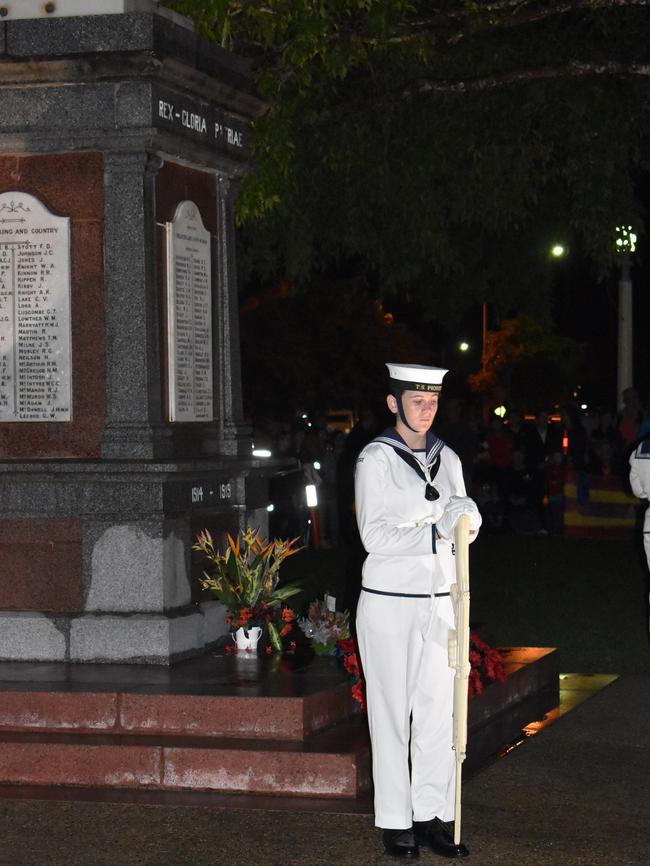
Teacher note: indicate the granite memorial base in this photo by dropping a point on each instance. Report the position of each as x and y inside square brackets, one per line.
[245, 725]
[104, 574]
[123, 136]
[142, 638]
[226, 724]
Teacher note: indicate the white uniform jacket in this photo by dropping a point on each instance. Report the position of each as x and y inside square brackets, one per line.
[640, 475]
[396, 521]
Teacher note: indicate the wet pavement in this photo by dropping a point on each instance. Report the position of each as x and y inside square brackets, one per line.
[576, 794]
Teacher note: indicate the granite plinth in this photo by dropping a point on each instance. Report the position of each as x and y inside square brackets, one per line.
[148, 639]
[97, 562]
[575, 795]
[252, 726]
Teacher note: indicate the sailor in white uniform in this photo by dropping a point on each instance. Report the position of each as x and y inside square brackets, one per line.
[409, 494]
[640, 484]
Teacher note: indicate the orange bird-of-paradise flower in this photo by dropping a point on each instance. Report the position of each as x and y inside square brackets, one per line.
[232, 544]
[261, 547]
[286, 548]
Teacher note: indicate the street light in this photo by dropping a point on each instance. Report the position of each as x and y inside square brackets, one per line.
[311, 496]
[464, 347]
[558, 250]
[625, 239]
[625, 245]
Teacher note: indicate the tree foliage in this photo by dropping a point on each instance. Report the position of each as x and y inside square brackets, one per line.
[436, 149]
[526, 365]
[318, 351]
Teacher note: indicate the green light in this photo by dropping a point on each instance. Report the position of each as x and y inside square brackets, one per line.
[557, 251]
[625, 239]
[500, 411]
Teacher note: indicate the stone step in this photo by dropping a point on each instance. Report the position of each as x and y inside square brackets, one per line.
[333, 763]
[291, 718]
[286, 730]
[228, 698]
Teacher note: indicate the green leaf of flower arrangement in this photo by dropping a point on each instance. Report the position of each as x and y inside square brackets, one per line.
[231, 567]
[274, 637]
[283, 592]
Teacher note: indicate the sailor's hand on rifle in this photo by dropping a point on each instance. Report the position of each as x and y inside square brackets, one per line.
[456, 507]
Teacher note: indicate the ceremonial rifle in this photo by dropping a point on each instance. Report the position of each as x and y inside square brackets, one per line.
[459, 656]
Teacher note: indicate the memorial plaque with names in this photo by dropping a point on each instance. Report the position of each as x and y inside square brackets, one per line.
[35, 343]
[189, 316]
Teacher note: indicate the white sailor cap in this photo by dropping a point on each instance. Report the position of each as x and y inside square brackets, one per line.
[413, 377]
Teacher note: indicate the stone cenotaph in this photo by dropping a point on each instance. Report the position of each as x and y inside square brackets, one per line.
[122, 138]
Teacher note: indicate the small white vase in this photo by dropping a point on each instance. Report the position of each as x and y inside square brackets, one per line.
[247, 640]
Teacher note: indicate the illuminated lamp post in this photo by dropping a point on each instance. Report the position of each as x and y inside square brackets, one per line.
[625, 245]
[312, 504]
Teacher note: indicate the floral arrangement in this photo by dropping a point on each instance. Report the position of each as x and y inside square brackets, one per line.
[329, 634]
[486, 665]
[324, 627]
[279, 625]
[350, 659]
[245, 579]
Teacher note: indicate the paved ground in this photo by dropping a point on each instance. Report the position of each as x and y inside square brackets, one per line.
[576, 794]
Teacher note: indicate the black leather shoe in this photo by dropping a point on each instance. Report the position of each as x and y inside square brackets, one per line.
[434, 835]
[400, 843]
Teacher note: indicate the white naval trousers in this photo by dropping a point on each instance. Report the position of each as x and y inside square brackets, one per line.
[646, 547]
[409, 694]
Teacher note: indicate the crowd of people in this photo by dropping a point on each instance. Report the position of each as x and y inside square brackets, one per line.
[514, 467]
[520, 466]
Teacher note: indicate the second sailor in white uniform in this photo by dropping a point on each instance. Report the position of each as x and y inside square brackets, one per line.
[640, 483]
